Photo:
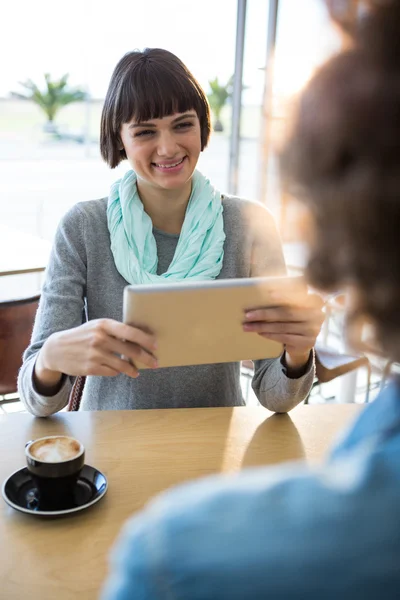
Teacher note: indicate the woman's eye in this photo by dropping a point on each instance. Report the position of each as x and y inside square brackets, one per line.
[184, 125]
[144, 132]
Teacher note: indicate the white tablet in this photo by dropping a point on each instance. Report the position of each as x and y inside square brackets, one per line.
[201, 322]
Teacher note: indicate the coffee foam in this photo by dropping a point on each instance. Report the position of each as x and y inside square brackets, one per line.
[56, 449]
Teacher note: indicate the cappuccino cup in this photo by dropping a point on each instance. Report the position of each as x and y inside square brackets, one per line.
[55, 463]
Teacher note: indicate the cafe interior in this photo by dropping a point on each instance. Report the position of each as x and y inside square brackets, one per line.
[127, 457]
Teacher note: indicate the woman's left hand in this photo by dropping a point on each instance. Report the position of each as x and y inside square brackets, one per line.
[296, 325]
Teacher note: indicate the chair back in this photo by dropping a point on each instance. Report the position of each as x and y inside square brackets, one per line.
[330, 363]
[16, 323]
[75, 397]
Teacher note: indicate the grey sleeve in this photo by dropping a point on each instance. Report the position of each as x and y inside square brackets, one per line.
[273, 388]
[60, 308]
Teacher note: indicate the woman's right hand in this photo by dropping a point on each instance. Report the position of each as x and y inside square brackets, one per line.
[94, 348]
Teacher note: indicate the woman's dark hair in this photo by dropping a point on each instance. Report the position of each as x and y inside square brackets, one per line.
[343, 160]
[149, 85]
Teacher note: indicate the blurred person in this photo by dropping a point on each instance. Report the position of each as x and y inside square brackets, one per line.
[162, 222]
[291, 531]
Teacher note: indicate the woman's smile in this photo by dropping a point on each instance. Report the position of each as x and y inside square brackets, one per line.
[168, 167]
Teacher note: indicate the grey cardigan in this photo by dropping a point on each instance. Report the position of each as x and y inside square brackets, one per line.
[81, 266]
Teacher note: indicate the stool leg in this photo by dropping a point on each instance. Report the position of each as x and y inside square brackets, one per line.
[368, 367]
[247, 387]
[314, 385]
[385, 374]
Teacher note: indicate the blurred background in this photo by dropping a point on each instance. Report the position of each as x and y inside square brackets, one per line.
[47, 165]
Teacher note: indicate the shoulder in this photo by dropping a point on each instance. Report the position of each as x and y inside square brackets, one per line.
[84, 218]
[236, 207]
[247, 216]
[91, 209]
[83, 222]
[293, 507]
[217, 521]
[251, 221]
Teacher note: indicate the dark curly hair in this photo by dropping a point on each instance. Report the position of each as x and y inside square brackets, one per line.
[343, 160]
[149, 85]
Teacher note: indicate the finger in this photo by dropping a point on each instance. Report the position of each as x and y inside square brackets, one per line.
[121, 366]
[308, 329]
[106, 361]
[288, 314]
[133, 352]
[101, 371]
[131, 334]
[142, 338]
[295, 342]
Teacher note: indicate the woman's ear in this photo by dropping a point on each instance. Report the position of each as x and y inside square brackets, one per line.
[119, 143]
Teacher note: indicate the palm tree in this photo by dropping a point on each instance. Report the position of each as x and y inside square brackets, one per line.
[56, 94]
[217, 98]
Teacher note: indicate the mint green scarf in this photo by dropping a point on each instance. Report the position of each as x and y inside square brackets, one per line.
[200, 250]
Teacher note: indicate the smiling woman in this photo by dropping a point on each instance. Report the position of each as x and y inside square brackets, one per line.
[162, 222]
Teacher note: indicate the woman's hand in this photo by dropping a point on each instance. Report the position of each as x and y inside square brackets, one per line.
[295, 324]
[94, 348]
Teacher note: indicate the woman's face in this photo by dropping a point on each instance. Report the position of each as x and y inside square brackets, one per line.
[163, 152]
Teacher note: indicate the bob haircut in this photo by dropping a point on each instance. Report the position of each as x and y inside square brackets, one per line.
[149, 85]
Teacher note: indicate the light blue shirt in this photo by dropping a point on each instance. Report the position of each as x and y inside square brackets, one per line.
[277, 533]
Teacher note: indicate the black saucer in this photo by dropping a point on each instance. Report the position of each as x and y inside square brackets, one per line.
[20, 493]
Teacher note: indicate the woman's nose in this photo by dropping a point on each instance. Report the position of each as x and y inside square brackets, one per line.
[167, 145]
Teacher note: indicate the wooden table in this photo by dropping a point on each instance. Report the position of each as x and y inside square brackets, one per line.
[21, 252]
[141, 453]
